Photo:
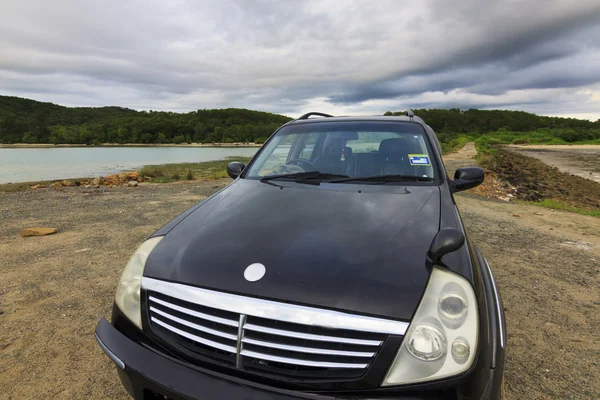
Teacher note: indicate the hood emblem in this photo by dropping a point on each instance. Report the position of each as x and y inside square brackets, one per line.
[254, 272]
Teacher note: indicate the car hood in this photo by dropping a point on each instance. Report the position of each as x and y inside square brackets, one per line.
[354, 248]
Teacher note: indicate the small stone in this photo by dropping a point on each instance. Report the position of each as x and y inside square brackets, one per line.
[67, 183]
[38, 231]
[97, 181]
[551, 229]
[132, 183]
[96, 186]
[516, 215]
[538, 213]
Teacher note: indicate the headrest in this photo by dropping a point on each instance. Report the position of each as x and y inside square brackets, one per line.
[392, 147]
[333, 146]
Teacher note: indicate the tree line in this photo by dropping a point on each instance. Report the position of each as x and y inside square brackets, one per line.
[30, 121]
[519, 126]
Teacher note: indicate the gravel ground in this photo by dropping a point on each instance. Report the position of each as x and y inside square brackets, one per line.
[54, 289]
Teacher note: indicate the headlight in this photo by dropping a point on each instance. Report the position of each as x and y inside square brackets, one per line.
[442, 338]
[128, 291]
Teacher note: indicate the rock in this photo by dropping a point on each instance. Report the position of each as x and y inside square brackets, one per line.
[97, 181]
[96, 186]
[551, 328]
[67, 183]
[538, 213]
[516, 215]
[132, 183]
[38, 186]
[38, 231]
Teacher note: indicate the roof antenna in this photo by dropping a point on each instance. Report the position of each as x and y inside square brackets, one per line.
[410, 114]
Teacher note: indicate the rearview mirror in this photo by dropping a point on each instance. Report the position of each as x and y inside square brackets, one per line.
[467, 178]
[234, 169]
[446, 241]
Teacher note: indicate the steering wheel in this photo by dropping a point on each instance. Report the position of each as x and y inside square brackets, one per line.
[302, 163]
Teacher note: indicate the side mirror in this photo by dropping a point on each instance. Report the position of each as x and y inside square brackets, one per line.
[467, 178]
[446, 241]
[234, 169]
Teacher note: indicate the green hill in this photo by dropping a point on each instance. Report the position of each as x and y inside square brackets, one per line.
[30, 121]
[455, 127]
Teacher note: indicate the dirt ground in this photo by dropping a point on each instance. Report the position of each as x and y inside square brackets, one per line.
[580, 160]
[54, 289]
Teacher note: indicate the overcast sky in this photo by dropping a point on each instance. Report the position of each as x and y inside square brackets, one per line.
[343, 57]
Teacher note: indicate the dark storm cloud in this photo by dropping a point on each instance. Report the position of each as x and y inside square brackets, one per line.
[564, 54]
[343, 57]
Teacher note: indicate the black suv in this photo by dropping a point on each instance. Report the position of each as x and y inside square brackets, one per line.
[334, 266]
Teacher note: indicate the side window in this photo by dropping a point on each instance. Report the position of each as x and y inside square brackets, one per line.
[309, 146]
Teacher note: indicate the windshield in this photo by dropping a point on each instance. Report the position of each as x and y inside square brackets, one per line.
[347, 149]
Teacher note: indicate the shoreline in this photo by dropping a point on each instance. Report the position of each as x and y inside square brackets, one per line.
[52, 146]
[162, 173]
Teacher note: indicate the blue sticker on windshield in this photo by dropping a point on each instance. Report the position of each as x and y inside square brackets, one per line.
[419, 159]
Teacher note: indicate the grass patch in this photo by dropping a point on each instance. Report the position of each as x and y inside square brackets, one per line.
[487, 160]
[557, 205]
[454, 144]
[189, 171]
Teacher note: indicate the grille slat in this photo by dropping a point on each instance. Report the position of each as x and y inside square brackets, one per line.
[195, 313]
[298, 361]
[309, 336]
[194, 326]
[311, 350]
[195, 338]
[278, 345]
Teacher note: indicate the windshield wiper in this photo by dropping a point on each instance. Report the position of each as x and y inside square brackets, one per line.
[303, 176]
[384, 179]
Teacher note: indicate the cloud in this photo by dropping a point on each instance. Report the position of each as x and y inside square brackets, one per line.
[342, 57]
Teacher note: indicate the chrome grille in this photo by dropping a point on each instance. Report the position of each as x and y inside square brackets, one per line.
[270, 337]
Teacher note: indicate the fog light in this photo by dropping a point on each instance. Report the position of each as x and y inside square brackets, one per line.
[427, 343]
[461, 348]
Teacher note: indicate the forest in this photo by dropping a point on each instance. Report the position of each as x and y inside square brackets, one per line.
[30, 121]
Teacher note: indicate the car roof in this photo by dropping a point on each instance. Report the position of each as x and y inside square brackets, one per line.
[403, 118]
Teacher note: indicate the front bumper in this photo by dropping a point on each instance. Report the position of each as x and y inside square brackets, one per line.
[147, 375]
